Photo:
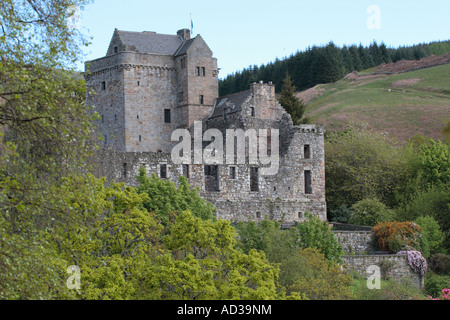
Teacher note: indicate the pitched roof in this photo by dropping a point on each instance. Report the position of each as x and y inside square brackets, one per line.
[184, 47]
[151, 42]
[233, 102]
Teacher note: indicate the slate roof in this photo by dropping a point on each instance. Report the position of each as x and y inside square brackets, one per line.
[233, 102]
[152, 42]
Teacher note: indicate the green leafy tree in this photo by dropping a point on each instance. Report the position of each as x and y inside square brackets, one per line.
[369, 212]
[291, 103]
[166, 199]
[314, 233]
[317, 279]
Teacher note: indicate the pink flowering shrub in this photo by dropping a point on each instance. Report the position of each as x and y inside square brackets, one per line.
[416, 261]
[445, 295]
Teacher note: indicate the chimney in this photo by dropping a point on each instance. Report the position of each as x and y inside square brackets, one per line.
[185, 34]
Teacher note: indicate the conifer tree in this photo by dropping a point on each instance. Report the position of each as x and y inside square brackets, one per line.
[293, 105]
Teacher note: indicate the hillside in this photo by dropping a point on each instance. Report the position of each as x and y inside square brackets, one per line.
[388, 98]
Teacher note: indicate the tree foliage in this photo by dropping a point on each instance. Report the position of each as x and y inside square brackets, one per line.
[325, 64]
[291, 103]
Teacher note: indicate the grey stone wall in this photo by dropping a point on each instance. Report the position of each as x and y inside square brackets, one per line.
[356, 242]
[391, 266]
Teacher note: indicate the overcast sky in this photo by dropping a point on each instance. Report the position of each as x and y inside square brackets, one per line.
[247, 32]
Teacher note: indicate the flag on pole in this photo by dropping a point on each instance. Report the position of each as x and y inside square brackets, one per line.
[192, 25]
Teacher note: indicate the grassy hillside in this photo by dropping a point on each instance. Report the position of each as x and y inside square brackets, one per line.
[404, 104]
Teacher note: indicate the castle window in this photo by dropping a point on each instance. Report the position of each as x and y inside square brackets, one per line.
[252, 110]
[308, 182]
[307, 151]
[103, 119]
[300, 215]
[106, 140]
[166, 115]
[233, 173]
[115, 117]
[183, 63]
[254, 185]
[124, 172]
[211, 178]
[197, 71]
[137, 117]
[202, 99]
[140, 138]
[258, 215]
[203, 72]
[138, 83]
[186, 170]
[116, 49]
[103, 85]
[163, 171]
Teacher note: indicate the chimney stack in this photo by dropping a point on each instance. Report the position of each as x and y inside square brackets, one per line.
[185, 34]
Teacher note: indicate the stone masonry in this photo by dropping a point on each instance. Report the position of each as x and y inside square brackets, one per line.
[149, 85]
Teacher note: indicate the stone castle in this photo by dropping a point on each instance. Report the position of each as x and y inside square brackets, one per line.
[149, 85]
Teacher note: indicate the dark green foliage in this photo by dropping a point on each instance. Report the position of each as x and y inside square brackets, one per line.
[166, 199]
[326, 64]
[434, 283]
[293, 105]
[440, 264]
[341, 214]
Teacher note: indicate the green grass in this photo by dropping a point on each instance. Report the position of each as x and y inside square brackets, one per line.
[404, 105]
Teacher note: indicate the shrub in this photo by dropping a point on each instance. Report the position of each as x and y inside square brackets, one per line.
[341, 214]
[395, 236]
[369, 212]
[318, 279]
[432, 235]
[416, 261]
[440, 264]
[314, 233]
[434, 284]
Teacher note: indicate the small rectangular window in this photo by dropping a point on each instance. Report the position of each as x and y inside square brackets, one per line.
[125, 173]
[186, 170]
[167, 116]
[103, 85]
[183, 63]
[233, 173]
[197, 71]
[106, 140]
[254, 184]
[203, 72]
[307, 151]
[115, 49]
[163, 171]
[140, 138]
[202, 99]
[252, 109]
[308, 182]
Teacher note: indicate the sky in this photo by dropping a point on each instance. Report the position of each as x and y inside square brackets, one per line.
[243, 33]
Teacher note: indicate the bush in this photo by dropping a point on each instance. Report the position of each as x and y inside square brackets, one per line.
[433, 237]
[396, 236]
[434, 284]
[369, 212]
[341, 214]
[314, 233]
[440, 264]
[318, 279]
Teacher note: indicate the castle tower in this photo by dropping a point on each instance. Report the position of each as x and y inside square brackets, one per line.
[148, 85]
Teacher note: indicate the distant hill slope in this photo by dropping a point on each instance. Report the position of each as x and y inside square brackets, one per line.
[388, 98]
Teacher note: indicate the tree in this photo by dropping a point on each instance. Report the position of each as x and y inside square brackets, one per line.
[314, 233]
[370, 211]
[292, 104]
[166, 199]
